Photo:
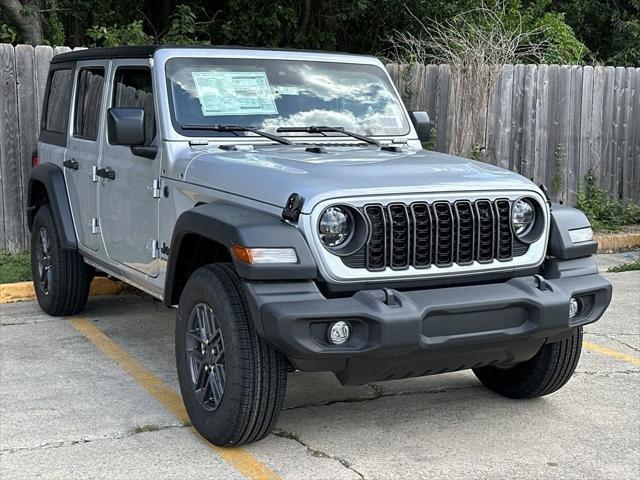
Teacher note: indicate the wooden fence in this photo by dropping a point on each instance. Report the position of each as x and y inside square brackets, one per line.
[551, 123]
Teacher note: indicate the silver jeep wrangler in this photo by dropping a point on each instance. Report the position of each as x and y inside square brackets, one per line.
[282, 202]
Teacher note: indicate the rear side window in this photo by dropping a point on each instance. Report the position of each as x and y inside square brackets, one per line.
[88, 103]
[56, 117]
[132, 88]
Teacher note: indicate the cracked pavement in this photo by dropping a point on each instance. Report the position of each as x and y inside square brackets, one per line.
[67, 411]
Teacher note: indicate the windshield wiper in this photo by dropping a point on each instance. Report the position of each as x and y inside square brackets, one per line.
[238, 128]
[316, 129]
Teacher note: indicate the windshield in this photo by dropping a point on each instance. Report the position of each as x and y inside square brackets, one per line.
[268, 94]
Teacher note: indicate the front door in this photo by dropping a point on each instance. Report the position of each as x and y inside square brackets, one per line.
[83, 149]
[127, 204]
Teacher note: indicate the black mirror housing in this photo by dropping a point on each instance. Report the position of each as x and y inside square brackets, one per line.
[125, 126]
[422, 124]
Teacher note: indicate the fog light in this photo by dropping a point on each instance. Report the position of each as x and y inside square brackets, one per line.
[574, 307]
[339, 332]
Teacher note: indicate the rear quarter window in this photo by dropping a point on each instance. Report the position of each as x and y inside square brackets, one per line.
[56, 112]
[88, 103]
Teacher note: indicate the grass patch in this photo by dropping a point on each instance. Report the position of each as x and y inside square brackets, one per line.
[15, 267]
[625, 267]
[147, 427]
[604, 212]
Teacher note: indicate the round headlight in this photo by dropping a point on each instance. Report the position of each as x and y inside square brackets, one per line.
[523, 216]
[336, 226]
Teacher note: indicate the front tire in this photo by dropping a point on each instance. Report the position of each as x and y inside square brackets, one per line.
[543, 374]
[232, 381]
[61, 278]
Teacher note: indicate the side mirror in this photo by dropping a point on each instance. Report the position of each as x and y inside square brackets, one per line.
[422, 124]
[125, 126]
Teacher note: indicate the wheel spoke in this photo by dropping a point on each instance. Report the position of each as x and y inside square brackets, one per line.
[206, 356]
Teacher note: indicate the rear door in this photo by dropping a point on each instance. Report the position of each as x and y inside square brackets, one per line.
[84, 147]
[129, 202]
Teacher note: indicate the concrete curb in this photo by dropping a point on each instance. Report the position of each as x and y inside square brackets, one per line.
[616, 242]
[24, 291]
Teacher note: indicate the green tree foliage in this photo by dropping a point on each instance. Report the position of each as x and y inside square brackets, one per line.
[609, 28]
[576, 31]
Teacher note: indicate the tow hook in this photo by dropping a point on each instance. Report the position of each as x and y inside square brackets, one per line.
[542, 283]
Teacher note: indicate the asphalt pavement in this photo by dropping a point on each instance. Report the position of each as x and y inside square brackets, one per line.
[95, 397]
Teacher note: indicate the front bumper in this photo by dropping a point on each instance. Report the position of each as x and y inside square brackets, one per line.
[412, 333]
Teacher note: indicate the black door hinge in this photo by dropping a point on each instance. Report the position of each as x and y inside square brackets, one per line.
[293, 208]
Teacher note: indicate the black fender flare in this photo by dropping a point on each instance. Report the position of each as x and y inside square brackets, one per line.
[231, 224]
[51, 178]
[563, 219]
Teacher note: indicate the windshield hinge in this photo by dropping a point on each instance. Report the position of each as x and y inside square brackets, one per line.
[293, 208]
[198, 143]
[156, 189]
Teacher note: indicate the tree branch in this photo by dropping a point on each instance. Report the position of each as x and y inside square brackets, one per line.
[25, 18]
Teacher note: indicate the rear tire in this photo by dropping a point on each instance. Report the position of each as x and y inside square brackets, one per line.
[61, 278]
[543, 374]
[232, 381]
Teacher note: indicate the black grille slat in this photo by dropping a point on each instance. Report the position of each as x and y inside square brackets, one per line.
[440, 233]
[486, 231]
[377, 245]
[465, 232]
[505, 236]
[421, 215]
[444, 234]
[399, 236]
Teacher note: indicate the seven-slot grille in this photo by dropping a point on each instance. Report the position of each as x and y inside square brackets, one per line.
[439, 233]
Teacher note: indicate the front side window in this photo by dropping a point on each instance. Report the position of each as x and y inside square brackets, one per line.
[56, 118]
[268, 94]
[133, 89]
[88, 103]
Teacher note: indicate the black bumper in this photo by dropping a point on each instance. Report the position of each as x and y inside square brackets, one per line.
[413, 333]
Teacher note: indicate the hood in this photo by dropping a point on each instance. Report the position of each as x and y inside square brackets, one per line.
[270, 174]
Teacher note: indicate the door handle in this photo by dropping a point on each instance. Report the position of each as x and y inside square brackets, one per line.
[106, 173]
[72, 164]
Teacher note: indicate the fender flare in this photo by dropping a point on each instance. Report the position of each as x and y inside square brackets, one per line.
[51, 178]
[231, 224]
[563, 219]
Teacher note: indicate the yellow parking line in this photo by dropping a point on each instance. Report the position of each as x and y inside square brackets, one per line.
[242, 460]
[594, 347]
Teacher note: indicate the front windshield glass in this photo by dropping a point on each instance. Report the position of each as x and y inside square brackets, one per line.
[267, 94]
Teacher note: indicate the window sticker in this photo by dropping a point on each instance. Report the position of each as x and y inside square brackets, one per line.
[389, 121]
[234, 93]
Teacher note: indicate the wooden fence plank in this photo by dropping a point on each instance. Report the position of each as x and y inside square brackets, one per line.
[442, 109]
[635, 155]
[554, 100]
[42, 57]
[627, 135]
[618, 118]
[606, 151]
[542, 117]
[503, 127]
[572, 170]
[517, 119]
[586, 126]
[27, 118]
[10, 152]
[597, 111]
[527, 165]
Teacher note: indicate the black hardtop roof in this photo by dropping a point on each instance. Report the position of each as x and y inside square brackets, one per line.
[147, 51]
